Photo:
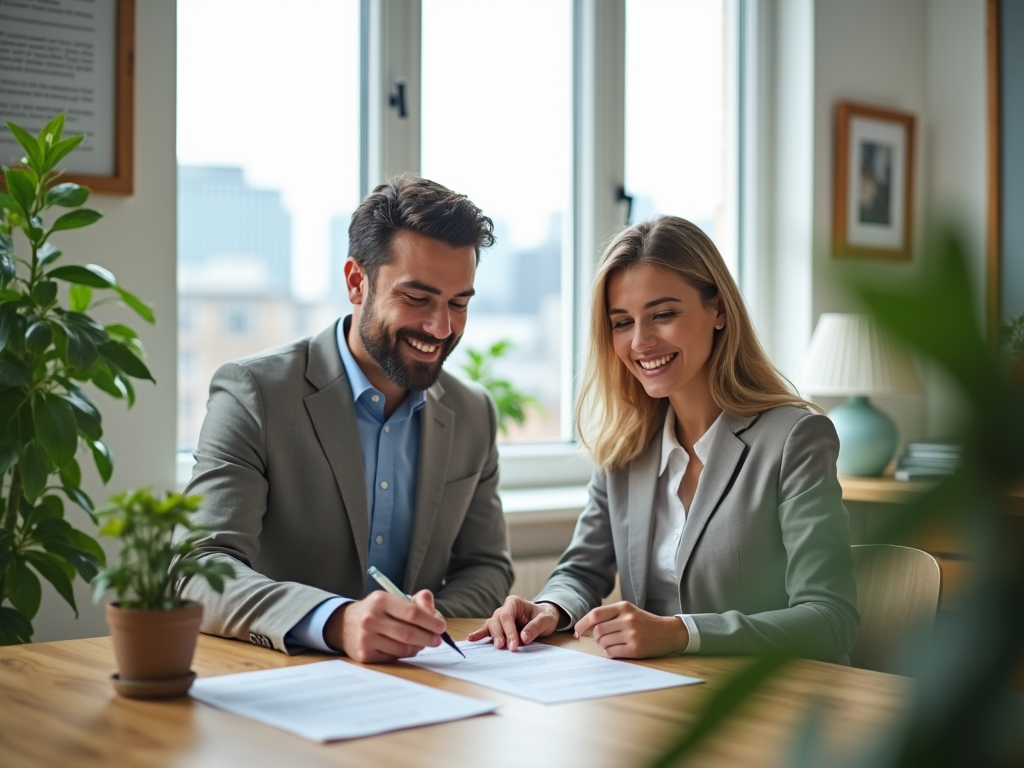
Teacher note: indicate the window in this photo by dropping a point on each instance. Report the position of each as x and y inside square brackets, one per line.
[542, 111]
[497, 126]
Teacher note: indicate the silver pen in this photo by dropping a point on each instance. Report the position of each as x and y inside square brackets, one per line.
[389, 586]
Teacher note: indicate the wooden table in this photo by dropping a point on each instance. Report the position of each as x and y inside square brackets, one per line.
[57, 708]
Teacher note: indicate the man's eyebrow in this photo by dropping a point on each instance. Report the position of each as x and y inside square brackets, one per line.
[648, 305]
[416, 285]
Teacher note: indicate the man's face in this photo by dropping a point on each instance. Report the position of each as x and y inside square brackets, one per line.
[414, 314]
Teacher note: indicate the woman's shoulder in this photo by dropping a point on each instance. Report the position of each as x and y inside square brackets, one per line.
[783, 420]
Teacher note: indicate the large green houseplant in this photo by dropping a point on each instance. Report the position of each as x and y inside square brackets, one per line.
[49, 348]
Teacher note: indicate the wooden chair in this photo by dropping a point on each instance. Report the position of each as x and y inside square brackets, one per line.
[898, 591]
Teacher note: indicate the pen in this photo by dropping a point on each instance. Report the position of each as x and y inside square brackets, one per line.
[389, 586]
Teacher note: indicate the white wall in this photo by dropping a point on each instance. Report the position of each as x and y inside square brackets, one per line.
[135, 240]
[920, 56]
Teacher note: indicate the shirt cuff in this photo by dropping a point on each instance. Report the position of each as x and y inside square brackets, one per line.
[693, 646]
[309, 632]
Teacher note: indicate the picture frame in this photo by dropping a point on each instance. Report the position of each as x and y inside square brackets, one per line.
[92, 80]
[873, 198]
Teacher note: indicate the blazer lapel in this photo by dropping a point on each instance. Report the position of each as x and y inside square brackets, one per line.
[643, 485]
[333, 414]
[437, 430]
[724, 456]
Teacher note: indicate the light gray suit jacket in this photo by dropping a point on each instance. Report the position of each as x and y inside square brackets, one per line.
[281, 474]
[765, 553]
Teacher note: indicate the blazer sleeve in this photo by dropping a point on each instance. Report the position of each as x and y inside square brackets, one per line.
[479, 573]
[585, 575]
[821, 620]
[230, 475]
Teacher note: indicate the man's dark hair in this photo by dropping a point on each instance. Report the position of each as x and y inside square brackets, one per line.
[418, 205]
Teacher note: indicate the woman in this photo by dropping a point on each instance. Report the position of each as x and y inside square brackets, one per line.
[715, 497]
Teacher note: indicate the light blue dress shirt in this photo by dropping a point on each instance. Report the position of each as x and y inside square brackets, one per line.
[390, 449]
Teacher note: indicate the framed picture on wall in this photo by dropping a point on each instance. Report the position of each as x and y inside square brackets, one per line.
[874, 183]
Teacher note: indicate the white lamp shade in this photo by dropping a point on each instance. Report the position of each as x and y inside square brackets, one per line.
[850, 355]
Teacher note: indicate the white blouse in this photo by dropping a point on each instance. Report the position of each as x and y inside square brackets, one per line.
[670, 520]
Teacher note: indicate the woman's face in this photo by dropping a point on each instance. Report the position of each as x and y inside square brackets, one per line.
[661, 329]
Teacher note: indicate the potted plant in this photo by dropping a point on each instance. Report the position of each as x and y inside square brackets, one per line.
[49, 348]
[510, 402]
[153, 629]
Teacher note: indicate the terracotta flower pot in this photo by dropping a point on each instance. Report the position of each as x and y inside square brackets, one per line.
[154, 646]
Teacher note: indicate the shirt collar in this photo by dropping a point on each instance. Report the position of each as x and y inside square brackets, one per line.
[669, 443]
[360, 384]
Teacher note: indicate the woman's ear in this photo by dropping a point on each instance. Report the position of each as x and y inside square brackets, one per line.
[720, 316]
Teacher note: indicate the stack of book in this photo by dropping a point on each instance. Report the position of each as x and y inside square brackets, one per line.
[928, 458]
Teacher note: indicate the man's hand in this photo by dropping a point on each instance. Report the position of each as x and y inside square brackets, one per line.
[536, 620]
[382, 627]
[626, 632]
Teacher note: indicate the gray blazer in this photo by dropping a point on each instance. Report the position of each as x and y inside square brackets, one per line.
[765, 553]
[281, 475]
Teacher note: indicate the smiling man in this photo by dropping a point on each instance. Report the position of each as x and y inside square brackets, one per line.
[354, 448]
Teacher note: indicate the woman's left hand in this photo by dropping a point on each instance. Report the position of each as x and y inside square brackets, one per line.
[626, 632]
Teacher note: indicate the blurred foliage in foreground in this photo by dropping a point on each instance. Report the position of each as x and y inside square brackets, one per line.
[961, 712]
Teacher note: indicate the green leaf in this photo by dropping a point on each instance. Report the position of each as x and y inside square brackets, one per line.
[47, 565]
[8, 270]
[23, 588]
[129, 390]
[34, 470]
[50, 507]
[44, 293]
[27, 141]
[80, 297]
[83, 562]
[104, 461]
[8, 455]
[71, 474]
[8, 318]
[82, 353]
[143, 310]
[15, 628]
[56, 429]
[22, 190]
[48, 253]
[67, 195]
[80, 498]
[82, 217]
[87, 545]
[103, 378]
[61, 150]
[14, 373]
[38, 337]
[92, 275]
[121, 332]
[86, 415]
[52, 131]
[122, 356]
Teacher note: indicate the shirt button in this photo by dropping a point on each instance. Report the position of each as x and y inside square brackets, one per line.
[379, 539]
[384, 484]
[375, 398]
[387, 427]
[675, 537]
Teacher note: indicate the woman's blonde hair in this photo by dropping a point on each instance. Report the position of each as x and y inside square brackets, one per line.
[615, 417]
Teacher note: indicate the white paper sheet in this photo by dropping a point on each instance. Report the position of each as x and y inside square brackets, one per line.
[331, 700]
[544, 673]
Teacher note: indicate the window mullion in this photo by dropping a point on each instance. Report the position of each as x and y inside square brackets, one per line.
[390, 57]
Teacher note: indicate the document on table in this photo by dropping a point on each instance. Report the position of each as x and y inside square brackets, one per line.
[544, 673]
[331, 700]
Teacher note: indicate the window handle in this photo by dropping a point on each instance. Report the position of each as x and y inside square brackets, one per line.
[629, 203]
[397, 99]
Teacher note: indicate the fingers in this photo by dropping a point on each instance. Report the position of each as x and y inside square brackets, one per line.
[540, 626]
[419, 613]
[383, 627]
[507, 616]
[597, 616]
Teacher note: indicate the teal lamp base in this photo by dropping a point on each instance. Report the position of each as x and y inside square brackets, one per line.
[867, 438]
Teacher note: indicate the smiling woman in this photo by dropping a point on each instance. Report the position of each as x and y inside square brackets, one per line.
[716, 497]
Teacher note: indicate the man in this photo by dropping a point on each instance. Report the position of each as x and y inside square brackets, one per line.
[353, 448]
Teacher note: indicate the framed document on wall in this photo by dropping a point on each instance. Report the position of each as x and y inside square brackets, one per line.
[874, 183]
[74, 57]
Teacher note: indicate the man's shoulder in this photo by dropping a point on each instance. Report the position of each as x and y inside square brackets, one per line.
[461, 395]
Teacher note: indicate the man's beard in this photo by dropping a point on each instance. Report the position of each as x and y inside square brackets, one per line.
[385, 349]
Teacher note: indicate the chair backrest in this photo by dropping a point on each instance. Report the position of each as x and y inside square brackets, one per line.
[898, 591]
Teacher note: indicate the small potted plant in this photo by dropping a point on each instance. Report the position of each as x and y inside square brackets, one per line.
[154, 631]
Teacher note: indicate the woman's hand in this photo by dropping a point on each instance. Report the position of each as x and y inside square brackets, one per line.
[535, 619]
[626, 632]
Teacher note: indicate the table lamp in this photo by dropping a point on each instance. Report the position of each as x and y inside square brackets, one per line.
[849, 355]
